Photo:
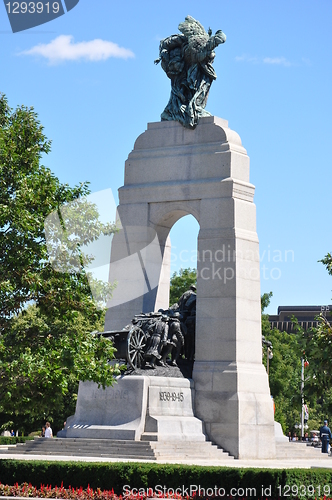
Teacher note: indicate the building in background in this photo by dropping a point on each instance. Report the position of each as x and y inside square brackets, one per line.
[305, 315]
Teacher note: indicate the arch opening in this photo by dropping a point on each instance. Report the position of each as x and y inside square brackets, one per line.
[183, 240]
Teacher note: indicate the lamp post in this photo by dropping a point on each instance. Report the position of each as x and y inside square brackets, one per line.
[269, 355]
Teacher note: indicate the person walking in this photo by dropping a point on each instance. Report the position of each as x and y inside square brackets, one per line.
[48, 431]
[325, 435]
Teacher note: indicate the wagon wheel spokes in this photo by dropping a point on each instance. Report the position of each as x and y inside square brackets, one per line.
[136, 343]
[133, 356]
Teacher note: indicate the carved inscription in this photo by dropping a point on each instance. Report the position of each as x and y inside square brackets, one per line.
[117, 394]
[171, 396]
[120, 395]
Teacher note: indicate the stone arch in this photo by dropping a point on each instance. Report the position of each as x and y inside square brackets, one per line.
[163, 217]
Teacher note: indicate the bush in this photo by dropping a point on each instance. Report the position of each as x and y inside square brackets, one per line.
[14, 439]
[148, 475]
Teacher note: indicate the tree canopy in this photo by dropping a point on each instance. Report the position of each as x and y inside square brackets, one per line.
[284, 370]
[180, 282]
[318, 352]
[46, 316]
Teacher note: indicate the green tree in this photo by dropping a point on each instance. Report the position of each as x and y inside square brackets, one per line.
[46, 316]
[285, 374]
[265, 300]
[284, 370]
[327, 261]
[181, 282]
[285, 377]
[318, 351]
[42, 360]
[29, 192]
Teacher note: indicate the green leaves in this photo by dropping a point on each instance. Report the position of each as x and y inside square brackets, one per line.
[319, 351]
[265, 300]
[327, 261]
[46, 316]
[285, 376]
[180, 283]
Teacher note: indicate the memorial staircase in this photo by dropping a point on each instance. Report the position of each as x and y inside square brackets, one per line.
[147, 450]
[120, 449]
[298, 450]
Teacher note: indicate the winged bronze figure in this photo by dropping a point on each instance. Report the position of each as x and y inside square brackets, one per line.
[187, 60]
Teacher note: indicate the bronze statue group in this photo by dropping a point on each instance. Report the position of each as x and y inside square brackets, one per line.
[170, 333]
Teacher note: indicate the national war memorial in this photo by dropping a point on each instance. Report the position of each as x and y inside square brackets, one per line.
[189, 163]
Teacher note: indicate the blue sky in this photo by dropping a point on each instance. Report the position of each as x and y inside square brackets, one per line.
[273, 86]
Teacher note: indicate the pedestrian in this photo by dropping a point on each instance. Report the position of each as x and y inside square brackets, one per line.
[42, 434]
[48, 431]
[12, 433]
[314, 438]
[325, 435]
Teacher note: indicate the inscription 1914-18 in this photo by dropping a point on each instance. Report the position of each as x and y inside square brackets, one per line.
[171, 396]
[115, 394]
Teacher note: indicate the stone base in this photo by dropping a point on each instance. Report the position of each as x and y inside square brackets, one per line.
[278, 433]
[136, 408]
[233, 400]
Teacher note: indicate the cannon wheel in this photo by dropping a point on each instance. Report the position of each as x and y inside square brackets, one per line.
[136, 343]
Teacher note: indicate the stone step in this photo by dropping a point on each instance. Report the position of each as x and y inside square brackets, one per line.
[189, 454]
[69, 443]
[298, 450]
[85, 453]
[107, 444]
[122, 442]
[189, 449]
[85, 447]
[183, 444]
[144, 450]
[149, 436]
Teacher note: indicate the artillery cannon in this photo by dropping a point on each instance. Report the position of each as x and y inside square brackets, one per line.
[146, 339]
[131, 342]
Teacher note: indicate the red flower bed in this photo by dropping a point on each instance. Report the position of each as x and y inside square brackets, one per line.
[27, 490]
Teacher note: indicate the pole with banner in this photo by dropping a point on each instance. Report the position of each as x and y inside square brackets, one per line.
[302, 397]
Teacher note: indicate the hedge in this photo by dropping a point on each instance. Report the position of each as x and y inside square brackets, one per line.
[147, 475]
[14, 439]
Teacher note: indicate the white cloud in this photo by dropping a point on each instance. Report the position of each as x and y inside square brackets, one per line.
[63, 48]
[265, 60]
[276, 60]
[246, 58]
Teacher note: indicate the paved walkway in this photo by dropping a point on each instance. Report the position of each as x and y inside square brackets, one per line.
[269, 464]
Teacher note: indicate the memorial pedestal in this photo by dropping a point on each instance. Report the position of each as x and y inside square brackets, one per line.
[136, 408]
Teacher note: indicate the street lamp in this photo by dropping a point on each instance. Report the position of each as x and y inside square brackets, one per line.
[269, 356]
[269, 353]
